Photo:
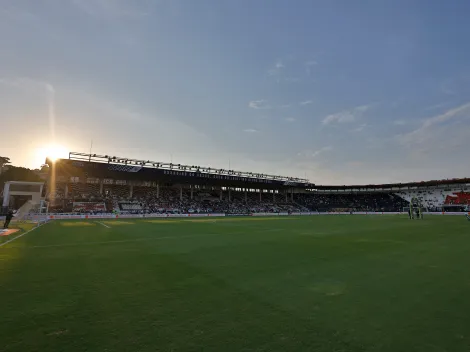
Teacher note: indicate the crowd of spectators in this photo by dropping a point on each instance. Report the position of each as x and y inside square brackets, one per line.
[115, 198]
[166, 200]
[351, 202]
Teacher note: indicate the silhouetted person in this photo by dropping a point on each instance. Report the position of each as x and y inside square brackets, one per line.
[8, 218]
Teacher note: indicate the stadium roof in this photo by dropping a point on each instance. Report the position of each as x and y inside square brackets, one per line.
[108, 159]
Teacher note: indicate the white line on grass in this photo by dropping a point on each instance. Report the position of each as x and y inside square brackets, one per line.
[76, 244]
[99, 222]
[122, 241]
[15, 238]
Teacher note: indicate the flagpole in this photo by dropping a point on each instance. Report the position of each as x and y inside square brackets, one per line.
[91, 146]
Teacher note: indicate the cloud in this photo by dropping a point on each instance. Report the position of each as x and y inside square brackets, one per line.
[306, 102]
[250, 130]
[276, 69]
[259, 104]
[310, 154]
[341, 117]
[359, 128]
[346, 116]
[437, 106]
[422, 133]
[290, 119]
[399, 122]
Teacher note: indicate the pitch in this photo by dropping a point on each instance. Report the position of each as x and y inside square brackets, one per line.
[326, 283]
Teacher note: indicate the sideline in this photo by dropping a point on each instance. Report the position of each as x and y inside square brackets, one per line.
[99, 222]
[77, 244]
[23, 234]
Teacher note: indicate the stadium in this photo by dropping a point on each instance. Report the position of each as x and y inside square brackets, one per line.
[90, 184]
[234, 176]
[162, 256]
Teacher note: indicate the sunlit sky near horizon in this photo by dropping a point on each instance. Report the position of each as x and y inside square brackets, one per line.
[339, 91]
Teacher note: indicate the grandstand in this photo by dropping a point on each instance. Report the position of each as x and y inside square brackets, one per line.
[90, 183]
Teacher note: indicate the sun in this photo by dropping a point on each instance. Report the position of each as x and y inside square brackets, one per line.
[52, 152]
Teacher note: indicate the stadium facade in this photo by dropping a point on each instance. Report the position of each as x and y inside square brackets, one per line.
[131, 185]
[90, 183]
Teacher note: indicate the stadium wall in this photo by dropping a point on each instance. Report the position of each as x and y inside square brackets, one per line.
[140, 216]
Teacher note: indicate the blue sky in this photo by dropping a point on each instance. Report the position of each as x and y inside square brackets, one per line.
[340, 91]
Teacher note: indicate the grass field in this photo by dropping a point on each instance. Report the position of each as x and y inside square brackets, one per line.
[324, 283]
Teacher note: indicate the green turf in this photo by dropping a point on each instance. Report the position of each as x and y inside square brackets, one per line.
[326, 283]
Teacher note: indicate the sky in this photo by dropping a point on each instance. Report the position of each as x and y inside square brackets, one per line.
[340, 92]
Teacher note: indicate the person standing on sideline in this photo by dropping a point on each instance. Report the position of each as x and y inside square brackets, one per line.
[8, 218]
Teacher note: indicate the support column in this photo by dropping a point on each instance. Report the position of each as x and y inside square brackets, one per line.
[6, 195]
[131, 191]
[287, 197]
[260, 195]
[101, 188]
[246, 196]
[181, 193]
[229, 195]
[274, 197]
[292, 195]
[221, 194]
[158, 190]
[192, 192]
[66, 192]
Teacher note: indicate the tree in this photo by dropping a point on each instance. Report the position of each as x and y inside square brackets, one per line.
[44, 168]
[18, 174]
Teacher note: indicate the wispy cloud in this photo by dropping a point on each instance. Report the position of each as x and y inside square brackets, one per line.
[306, 102]
[314, 153]
[276, 69]
[259, 104]
[346, 116]
[399, 122]
[290, 119]
[436, 106]
[250, 130]
[359, 128]
[449, 114]
[420, 134]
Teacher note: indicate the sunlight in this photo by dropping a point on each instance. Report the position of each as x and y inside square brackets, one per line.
[53, 152]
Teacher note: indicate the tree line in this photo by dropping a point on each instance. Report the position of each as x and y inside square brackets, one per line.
[9, 172]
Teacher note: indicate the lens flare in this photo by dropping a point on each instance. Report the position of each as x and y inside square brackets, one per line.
[52, 152]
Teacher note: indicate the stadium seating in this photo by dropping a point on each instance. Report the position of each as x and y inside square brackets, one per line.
[171, 200]
[89, 207]
[459, 198]
[432, 199]
[351, 202]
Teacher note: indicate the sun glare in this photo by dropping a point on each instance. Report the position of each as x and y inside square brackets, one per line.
[52, 152]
